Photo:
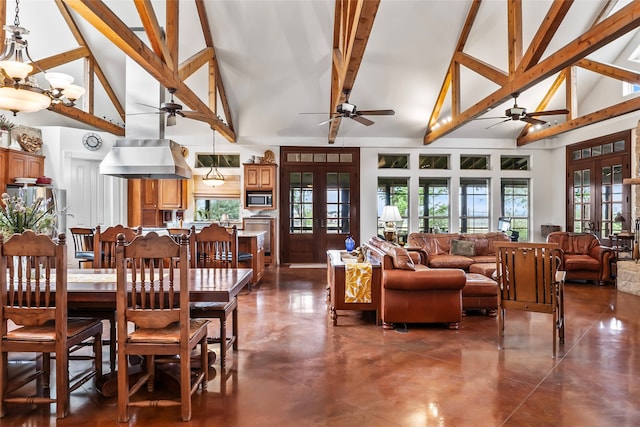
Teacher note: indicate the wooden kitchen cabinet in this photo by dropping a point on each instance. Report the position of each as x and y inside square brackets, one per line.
[259, 176]
[147, 198]
[261, 180]
[21, 164]
[18, 164]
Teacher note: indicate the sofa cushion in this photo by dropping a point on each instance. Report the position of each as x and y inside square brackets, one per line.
[581, 262]
[463, 247]
[485, 242]
[399, 256]
[425, 279]
[450, 261]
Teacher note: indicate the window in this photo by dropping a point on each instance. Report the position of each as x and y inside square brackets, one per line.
[474, 162]
[218, 160]
[393, 161]
[212, 209]
[394, 191]
[433, 209]
[474, 205]
[514, 163]
[433, 162]
[515, 204]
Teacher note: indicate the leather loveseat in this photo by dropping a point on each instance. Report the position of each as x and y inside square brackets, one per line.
[584, 258]
[413, 292]
[472, 252]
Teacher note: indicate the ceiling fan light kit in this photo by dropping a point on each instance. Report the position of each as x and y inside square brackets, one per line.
[517, 113]
[26, 95]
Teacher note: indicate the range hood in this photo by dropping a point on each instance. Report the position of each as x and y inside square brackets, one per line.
[147, 159]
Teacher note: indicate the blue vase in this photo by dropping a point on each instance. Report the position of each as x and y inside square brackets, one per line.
[349, 243]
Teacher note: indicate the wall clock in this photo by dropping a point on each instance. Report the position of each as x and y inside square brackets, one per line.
[91, 141]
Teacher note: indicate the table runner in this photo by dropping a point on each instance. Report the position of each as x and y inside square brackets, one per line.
[357, 287]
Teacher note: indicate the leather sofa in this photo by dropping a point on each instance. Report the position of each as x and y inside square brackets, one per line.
[472, 252]
[584, 258]
[413, 292]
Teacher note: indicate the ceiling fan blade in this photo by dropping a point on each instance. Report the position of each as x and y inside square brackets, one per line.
[376, 112]
[548, 113]
[362, 120]
[492, 118]
[150, 106]
[328, 121]
[140, 114]
[496, 124]
[533, 121]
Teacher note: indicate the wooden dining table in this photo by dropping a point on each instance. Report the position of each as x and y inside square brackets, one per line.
[95, 290]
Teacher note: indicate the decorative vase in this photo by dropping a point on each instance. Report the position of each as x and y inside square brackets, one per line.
[349, 243]
[4, 139]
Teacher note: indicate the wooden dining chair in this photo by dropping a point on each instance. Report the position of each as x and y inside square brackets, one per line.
[530, 279]
[104, 256]
[153, 298]
[83, 244]
[33, 271]
[215, 247]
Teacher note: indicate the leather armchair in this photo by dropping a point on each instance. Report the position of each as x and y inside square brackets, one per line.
[584, 258]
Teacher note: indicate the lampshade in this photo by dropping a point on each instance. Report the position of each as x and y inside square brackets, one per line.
[390, 214]
[23, 98]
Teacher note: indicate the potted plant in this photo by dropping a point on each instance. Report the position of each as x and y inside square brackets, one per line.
[5, 126]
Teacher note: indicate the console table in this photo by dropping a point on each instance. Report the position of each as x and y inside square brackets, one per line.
[336, 275]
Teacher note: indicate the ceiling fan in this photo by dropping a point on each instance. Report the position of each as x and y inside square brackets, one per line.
[517, 113]
[173, 109]
[350, 111]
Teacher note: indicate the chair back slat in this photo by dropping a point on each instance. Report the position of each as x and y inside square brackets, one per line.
[214, 247]
[147, 267]
[104, 244]
[27, 261]
[527, 275]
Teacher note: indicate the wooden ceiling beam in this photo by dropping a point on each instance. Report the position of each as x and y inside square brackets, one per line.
[611, 28]
[60, 59]
[353, 22]
[514, 34]
[607, 113]
[216, 84]
[485, 70]
[157, 38]
[95, 66]
[193, 64]
[548, 28]
[608, 70]
[104, 20]
[446, 84]
[172, 25]
[84, 117]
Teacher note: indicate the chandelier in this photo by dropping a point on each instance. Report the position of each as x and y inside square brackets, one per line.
[213, 178]
[25, 95]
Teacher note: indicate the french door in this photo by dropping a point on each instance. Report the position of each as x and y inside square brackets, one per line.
[598, 202]
[319, 193]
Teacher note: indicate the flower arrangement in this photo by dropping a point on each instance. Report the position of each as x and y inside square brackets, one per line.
[5, 124]
[16, 216]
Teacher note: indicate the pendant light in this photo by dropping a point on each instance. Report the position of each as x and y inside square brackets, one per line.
[25, 95]
[213, 178]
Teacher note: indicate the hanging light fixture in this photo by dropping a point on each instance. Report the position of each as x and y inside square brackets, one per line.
[213, 178]
[25, 95]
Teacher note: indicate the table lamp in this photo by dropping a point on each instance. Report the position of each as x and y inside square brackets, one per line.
[390, 215]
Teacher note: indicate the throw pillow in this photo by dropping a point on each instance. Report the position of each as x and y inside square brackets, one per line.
[463, 248]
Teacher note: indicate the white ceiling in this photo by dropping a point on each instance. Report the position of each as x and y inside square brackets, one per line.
[276, 64]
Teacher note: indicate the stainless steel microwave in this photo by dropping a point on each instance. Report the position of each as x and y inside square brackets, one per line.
[259, 199]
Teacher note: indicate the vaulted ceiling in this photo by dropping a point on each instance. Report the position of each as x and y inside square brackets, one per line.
[249, 68]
